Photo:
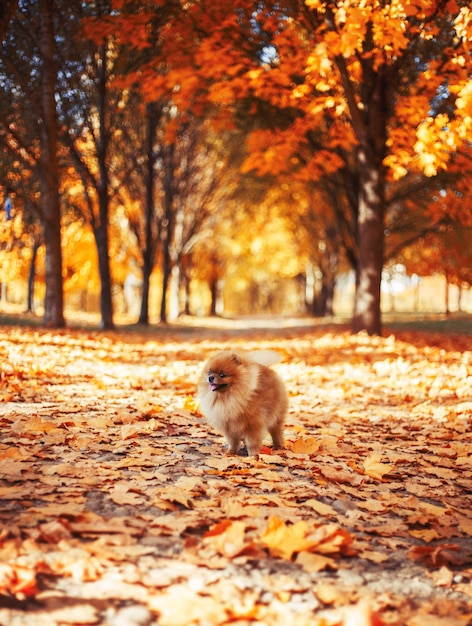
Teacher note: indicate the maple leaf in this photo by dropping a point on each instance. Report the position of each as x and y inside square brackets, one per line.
[374, 468]
[284, 540]
[308, 445]
[315, 562]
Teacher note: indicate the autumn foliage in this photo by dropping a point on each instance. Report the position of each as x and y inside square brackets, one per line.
[118, 504]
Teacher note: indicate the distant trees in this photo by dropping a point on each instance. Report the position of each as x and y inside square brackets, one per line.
[87, 108]
[386, 83]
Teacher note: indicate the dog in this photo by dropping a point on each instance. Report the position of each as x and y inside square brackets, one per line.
[243, 398]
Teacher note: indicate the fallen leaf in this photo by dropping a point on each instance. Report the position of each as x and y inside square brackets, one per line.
[17, 580]
[446, 554]
[308, 445]
[284, 540]
[227, 538]
[320, 507]
[374, 468]
[443, 576]
[181, 606]
[315, 562]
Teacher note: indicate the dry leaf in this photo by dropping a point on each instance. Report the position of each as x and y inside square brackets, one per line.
[285, 540]
[227, 538]
[315, 562]
[374, 468]
[17, 580]
[308, 445]
[446, 554]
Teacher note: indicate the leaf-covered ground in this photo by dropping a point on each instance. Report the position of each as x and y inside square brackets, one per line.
[119, 507]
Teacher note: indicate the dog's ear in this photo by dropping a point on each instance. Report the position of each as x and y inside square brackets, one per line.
[236, 358]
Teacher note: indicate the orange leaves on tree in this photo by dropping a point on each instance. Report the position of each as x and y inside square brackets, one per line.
[389, 30]
[434, 144]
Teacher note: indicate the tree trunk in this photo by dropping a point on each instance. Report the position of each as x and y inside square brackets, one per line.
[174, 292]
[185, 281]
[323, 302]
[49, 172]
[214, 296]
[32, 275]
[367, 315]
[149, 252]
[106, 304]
[167, 227]
[101, 234]
[371, 124]
[144, 310]
[166, 272]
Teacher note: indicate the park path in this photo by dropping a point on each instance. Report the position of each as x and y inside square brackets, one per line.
[118, 506]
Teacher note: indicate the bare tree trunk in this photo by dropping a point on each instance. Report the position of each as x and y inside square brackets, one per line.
[101, 234]
[166, 271]
[372, 134]
[214, 296]
[167, 228]
[32, 275]
[367, 314]
[49, 202]
[149, 252]
[447, 305]
[185, 282]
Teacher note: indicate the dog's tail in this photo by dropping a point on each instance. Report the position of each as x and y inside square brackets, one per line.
[264, 357]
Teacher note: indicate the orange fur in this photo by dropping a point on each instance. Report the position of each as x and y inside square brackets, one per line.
[243, 398]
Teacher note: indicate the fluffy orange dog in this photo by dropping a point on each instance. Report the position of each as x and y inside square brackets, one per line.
[243, 398]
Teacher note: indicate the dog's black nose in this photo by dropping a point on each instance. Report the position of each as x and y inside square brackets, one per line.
[211, 378]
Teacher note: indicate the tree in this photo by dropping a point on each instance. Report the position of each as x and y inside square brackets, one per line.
[388, 82]
[87, 126]
[29, 74]
[195, 166]
[49, 167]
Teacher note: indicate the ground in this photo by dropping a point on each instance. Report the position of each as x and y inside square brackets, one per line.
[119, 506]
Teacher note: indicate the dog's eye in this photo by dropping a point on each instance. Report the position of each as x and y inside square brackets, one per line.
[222, 375]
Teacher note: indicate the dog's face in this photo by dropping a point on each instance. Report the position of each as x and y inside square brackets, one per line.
[222, 371]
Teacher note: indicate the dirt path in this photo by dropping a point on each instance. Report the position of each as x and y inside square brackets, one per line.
[118, 506]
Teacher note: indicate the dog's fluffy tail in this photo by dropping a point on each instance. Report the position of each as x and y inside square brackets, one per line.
[264, 357]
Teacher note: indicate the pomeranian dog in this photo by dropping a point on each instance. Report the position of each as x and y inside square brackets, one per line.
[243, 398]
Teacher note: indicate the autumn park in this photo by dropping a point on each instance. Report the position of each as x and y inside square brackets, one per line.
[289, 182]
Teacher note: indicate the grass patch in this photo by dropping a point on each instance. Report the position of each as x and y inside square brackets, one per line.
[454, 324]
